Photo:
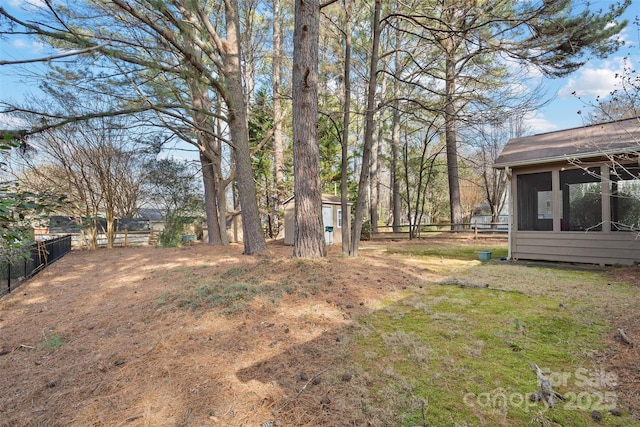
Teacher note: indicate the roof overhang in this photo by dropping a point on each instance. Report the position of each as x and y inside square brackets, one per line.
[588, 142]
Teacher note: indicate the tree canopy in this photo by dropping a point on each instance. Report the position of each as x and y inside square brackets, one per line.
[380, 94]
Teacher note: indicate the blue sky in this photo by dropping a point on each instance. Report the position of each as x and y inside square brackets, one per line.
[597, 77]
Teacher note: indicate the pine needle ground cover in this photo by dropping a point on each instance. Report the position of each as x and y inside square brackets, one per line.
[408, 334]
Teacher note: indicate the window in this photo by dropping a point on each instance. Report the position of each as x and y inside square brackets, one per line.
[625, 198]
[339, 218]
[535, 202]
[581, 193]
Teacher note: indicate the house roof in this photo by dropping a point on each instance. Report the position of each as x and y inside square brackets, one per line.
[622, 136]
[152, 214]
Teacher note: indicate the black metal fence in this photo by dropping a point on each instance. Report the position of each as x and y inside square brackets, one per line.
[42, 252]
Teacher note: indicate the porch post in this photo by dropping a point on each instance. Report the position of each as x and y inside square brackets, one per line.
[606, 198]
[508, 175]
[556, 193]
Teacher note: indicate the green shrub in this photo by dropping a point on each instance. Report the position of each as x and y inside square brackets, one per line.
[174, 228]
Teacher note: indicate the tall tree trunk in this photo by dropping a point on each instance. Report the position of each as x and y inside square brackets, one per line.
[374, 184]
[405, 153]
[253, 236]
[278, 145]
[344, 166]
[450, 115]
[368, 135]
[110, 231]
[219, 180]
[309, 232]
[210, 201]
[396, 201]
[209, 161]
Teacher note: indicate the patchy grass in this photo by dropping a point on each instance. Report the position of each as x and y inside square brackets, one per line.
[463, 356]
[51, 342]
[453, 252]
[233, 291]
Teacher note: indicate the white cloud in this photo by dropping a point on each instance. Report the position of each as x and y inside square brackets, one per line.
[37, 4]
[33, 46]
[537, 123]
[592, 82]
[19, 43]
[10, 122]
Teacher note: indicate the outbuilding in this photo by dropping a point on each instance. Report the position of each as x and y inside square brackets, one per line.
[331, 218]
[574, 194]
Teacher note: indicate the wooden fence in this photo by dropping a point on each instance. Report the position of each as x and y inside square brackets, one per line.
[387, 232]
[121, 239]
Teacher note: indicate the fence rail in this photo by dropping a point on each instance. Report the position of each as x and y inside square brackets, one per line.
[387, 231]
[121, 239]
[41, 254]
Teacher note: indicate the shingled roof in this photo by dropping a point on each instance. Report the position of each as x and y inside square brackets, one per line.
[622, 136]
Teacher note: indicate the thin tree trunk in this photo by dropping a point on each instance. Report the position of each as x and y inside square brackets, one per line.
[344, 167]
[210, 199]
[374, 184]
[278, 145]
[368, 135]
[408, 189]
[452, 146]
[309, 232]
[396, 201]
[209, 160]
[221, 183]
[253, 236]
[110, 218]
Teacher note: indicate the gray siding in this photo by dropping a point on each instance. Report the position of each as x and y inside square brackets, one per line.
[584, 247]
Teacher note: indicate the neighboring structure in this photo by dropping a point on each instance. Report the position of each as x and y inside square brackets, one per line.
[482, 219]
[155, 217]
[575, 194]
[234, 228]
[331, 218]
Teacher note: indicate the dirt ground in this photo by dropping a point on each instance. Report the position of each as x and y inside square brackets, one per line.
[103, 338]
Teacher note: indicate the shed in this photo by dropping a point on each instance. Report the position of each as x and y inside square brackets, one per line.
[331, 217]
[574, 194]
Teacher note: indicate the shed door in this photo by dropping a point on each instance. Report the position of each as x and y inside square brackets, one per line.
[327, 220]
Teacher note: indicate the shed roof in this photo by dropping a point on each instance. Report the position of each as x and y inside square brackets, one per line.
[622, 136]
[327, 199]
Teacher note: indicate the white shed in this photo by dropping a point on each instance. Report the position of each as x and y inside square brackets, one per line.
[331, 217]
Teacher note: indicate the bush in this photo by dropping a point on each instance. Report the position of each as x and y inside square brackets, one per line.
[365, 233]
[171, 236]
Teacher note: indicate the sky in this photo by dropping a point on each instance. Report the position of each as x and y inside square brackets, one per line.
[568, 95]
[574, 93]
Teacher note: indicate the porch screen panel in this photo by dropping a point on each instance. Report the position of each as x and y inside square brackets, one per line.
[581, 200]
[625, 198]
[535, 202]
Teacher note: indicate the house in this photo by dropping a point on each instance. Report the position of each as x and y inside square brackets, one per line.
[155, 217]
[331, 218]
[575, 194]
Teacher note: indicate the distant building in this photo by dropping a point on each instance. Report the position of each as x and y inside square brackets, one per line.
[331, 218]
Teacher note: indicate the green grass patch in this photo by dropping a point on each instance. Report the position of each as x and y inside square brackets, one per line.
[231, 298]
[232, 291]
[51, 342]
[465, 253]
[468, 354]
